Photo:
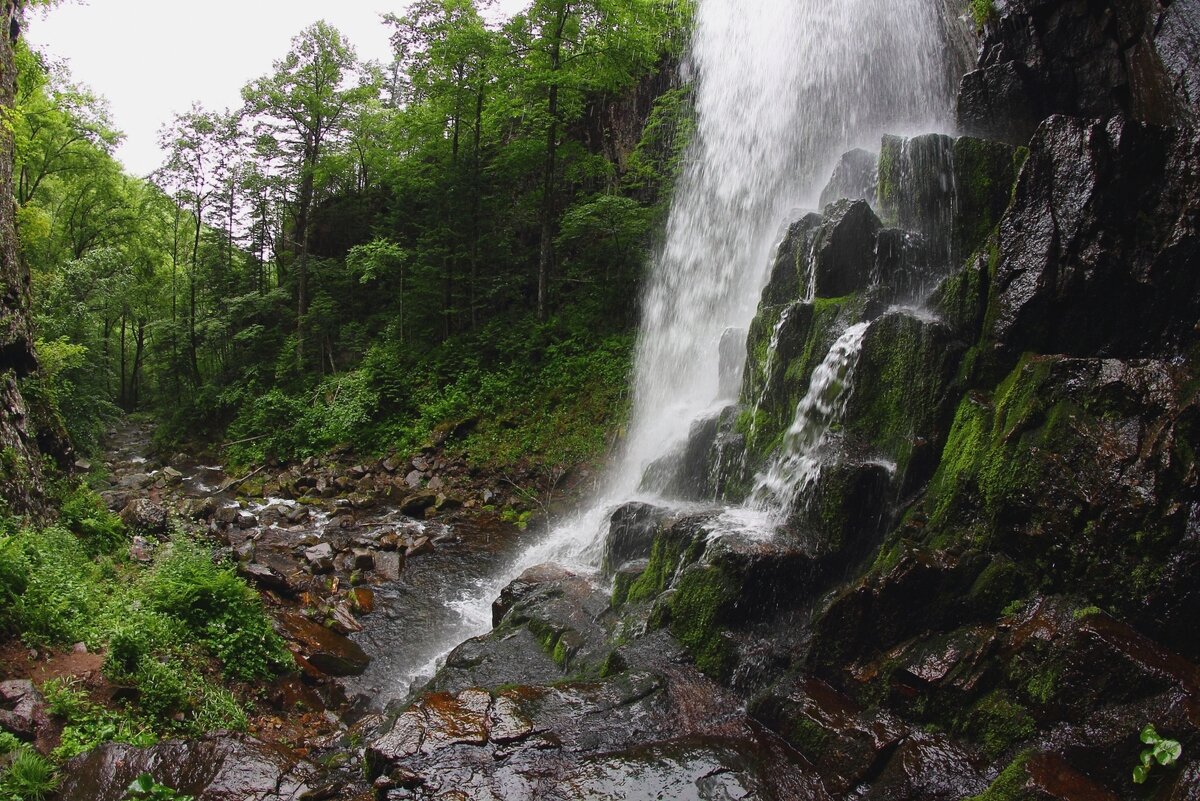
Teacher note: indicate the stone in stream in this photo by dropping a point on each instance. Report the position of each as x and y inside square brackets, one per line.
[364, 559]
[320, 558]
[389, 564]
[267, 578]
[419, 546]
[142, 514]
[413, 479]
[226, 515]
[325, 650]
[417, 505]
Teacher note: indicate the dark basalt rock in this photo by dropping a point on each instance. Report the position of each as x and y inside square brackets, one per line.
[1041, 57]
[930, 767]
[1098, 252]
[684, 473]
[853, 178]
[788, 279]
[825, 256]
[631, 531]
[844, 249]
[214, 768]
[916, 187]
[609, 739]
[844, 740]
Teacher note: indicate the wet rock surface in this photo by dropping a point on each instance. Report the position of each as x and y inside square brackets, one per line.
[215, 768]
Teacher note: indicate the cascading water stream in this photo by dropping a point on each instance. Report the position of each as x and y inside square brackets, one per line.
[798, 463]
[782, 88]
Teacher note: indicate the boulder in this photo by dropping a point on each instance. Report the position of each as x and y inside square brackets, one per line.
[1077, 273]
[1137, 58]
[220, 767]
[319, 558]
[23, 711]
[631, 532]
[142, 514]
[323, 649]
[853, 178]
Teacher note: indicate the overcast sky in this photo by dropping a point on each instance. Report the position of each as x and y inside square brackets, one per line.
[153, 58]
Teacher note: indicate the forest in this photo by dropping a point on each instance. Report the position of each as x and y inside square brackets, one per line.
[363, 254]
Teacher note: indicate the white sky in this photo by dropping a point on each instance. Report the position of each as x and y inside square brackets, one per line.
[153, 58]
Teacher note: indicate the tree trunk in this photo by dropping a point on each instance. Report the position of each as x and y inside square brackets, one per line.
[20, 458]
[546, 252]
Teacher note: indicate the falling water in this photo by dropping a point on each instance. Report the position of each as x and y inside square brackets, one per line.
[798, 463]
[783, 87]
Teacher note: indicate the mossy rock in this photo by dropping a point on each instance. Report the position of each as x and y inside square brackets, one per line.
[903, 388]
[985, 173]
[777, 380]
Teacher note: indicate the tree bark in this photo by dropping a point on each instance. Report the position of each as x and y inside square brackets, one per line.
[546, 252]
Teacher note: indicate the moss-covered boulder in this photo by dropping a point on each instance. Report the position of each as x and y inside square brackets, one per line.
[904, 390]
[916, 185]
[784, 349]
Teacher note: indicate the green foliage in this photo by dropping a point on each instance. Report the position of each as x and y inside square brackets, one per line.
[85, 514]
[983, 12]
[216, 606]
[29, 777]
[88, 724]
[145, 788]
[1161, 751]
[14, 578]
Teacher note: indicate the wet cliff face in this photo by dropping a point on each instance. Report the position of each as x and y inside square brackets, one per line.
[985, 584]
[20, 459]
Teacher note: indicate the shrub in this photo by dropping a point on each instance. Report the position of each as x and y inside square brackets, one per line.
[84, 513]
[216, 606]
[14, 578]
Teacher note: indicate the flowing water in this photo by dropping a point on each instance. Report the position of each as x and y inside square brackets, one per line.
[782, 89]
[798, 463]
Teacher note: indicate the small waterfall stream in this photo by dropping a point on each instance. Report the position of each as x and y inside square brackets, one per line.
[783, 88]
[798, 462]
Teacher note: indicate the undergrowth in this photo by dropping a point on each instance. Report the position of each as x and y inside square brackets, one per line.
[177, 634]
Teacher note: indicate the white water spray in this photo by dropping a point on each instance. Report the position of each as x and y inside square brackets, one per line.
[783, 88]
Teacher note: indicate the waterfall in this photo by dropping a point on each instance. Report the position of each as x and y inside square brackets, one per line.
[782, 89]
[798, 463]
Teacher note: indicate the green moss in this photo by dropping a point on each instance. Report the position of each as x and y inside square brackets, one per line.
[999, 452]
[702, 598]
[998, 585]
[997, 722]
[561, 653]
[1043, 684]
[901, 381]
[808, 737]
[890, 151]
[812, 328]
[614, 664]
[1010, 785]
[665, 556]
[984, 173]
